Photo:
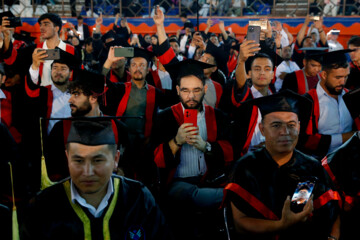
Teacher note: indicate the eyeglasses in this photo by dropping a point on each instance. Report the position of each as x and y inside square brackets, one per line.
[141, 66]
[196, 91]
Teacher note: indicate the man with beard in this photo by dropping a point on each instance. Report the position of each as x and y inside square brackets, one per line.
[331, 123]
[285, 67]
[32, 57]
[192, 159]
[302, 80]
[86, 93]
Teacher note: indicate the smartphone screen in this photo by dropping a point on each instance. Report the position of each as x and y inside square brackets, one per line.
[53, 54]
[190, 116]
[124, 52]
[15, 22]
[301, 195]
[253, 33]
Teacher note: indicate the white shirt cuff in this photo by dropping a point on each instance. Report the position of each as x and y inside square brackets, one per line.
[34, 74]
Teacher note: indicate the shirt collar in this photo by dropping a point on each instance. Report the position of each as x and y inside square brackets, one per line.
[145, 85]
[2, 95]
[320, 90]
[201, 112]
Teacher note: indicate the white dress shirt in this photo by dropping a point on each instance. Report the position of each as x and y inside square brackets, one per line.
[334, 119]
[192, 160]
[46, 72]
[75, 197]
[80, 30]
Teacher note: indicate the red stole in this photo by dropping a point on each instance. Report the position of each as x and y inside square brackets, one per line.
[150, 106]
[210, 120]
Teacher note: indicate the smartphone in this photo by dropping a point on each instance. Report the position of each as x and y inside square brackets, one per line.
[124, 52]
[53, 54]
[261, 23]
[155, 9]
[14, 22]
[301, 195]
[190, 116]
[315, 18]
[253, 33]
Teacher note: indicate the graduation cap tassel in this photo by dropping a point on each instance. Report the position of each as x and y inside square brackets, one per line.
[45, 180]
[15, 224]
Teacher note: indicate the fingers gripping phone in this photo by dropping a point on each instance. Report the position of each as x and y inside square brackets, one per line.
[253, 33]
[302, 195]
[190, 116]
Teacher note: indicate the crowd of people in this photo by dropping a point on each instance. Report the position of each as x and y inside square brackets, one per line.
[194, 135]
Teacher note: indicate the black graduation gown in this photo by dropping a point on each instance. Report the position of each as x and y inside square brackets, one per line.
[258, 174]
[50, 215]
[353, 81]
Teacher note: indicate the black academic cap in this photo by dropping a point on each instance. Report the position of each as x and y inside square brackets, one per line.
[24, 36]
[91, 133]
[88, 81]
[67, 58]
[117, 42]
[284, 101]
[335, 57]
[174, 39]
[314, 53]
[219, 54]
[140, 52]
[109, 34]
[236, 47]
[187, 67]
[6, 14]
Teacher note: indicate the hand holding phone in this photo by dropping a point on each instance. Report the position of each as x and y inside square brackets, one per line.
[53, 54]
[302, 195]
[124, 52]
[14, 22]
[253, 33]
[190, 116]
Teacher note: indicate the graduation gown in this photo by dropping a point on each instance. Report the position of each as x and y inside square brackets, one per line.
[258, 187]
[217, 127]
[353, 81]
[343, 167]
[132, 213]
[8, 115]
[296, 82]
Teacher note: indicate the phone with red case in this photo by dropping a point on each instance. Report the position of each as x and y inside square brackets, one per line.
[190, 116]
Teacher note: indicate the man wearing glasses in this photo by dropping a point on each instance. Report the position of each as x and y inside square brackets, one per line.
[192, 156]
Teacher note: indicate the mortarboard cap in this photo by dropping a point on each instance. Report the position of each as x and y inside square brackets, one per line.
[188, 24]
[140, 52]
[109, 34]
[24, 36]
[335, 57]
[91, 133]
[174, 39]
[67, 58]
[187, 67]
[283, 101]
[314, 53]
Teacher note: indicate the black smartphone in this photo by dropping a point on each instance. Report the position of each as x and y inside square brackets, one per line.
[14, 22]
[53, 54]
[124, 52]
[301, 195]
[253, 33]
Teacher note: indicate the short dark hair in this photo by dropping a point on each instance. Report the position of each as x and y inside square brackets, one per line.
[261, 55]
[80, 17]
[336, 65]
[201, 77]
[354, 40]
[79, 85]
[184, 15]
[112, 148]
[53, 17]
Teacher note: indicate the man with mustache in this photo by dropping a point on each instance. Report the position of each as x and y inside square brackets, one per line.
[94, 203]
[331, 123]
[192, 159]
[262, 181]
[32, 57]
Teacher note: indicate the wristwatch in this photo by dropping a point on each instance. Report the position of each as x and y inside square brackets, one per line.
[207, 147]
